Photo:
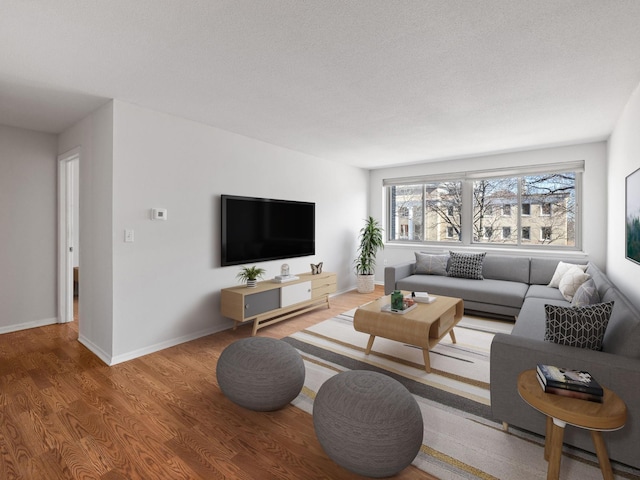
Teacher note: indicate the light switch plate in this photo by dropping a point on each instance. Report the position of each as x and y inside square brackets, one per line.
[128, 235]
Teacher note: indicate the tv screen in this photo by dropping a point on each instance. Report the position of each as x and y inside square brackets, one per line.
[260, 229]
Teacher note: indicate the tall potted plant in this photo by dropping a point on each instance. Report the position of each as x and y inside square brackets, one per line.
[370, 243]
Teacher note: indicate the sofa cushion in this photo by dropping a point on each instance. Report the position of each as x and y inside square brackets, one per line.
[506, 267]
[623, 333]
[571, 282]
[542, 270]
[488, 291]
[587, 294]
[542, 291]
[531, 319]
[428, 264]
[561, 270]
[466, 265]
[582, 327]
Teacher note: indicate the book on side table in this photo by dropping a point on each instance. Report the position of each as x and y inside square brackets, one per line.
[569, 383]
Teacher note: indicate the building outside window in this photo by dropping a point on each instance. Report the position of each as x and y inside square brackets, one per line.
[506, 233]
[526, 233]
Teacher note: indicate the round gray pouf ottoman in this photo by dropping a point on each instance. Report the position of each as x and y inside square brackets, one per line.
[368, 423]
[260, 373]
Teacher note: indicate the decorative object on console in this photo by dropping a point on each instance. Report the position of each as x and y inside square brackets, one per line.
[370, 242]
[250, 275]
[284, 270]
[316, 269]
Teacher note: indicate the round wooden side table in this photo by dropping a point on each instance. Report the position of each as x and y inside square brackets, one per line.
[596, 417]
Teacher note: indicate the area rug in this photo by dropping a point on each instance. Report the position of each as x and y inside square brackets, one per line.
[461, 440]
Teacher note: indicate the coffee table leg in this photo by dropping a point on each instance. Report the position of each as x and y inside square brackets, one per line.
[369, 344]
[603, 456]
[557, 435]
[427, 362]
[453, 336]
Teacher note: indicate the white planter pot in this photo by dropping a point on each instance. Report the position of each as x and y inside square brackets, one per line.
[365, 283]
[252, 283]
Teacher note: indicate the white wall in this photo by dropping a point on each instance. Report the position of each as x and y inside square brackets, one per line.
[94, 137]
[166, 284]
[624, 159]
[594, 211]
[27, 229]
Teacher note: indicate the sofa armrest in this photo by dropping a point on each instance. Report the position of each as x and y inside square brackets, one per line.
[394, 273]
[512, 354]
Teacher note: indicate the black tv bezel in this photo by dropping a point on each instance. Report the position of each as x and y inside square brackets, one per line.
[223, 230]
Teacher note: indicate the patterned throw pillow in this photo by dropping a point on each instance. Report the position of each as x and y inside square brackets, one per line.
[427, 264]
[561, 269]
[466, 265]
[582, 327]
[587, 294]
[571, 282]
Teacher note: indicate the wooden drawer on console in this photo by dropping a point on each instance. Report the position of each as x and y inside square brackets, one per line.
[324, 284]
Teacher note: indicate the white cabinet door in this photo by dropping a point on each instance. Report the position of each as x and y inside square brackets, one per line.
[292, 294]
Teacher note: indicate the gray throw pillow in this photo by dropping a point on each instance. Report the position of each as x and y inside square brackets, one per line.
[466, 265]
[587, 294]
[427, 264]
[582, 327]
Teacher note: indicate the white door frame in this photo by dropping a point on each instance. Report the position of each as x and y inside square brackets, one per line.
[65, 234]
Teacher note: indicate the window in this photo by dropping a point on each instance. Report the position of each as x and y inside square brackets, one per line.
[434, 212]
[535, 208]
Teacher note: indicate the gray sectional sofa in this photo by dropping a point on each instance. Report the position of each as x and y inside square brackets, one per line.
[516, 287]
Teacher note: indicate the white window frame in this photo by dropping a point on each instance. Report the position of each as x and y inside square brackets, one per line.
[466, 214]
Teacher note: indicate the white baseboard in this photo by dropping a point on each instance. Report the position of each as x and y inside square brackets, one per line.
[27, 325]
[97, 351]
[166, 344]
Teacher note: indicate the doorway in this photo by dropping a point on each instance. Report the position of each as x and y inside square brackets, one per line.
[68, 235]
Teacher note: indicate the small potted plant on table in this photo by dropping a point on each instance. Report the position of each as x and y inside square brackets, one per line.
[250, 275]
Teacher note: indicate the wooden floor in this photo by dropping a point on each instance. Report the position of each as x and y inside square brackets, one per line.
[66, 415]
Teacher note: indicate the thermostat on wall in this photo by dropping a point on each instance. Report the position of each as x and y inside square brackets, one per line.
[158, 214]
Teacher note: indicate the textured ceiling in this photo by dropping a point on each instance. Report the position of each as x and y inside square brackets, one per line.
[370, 83]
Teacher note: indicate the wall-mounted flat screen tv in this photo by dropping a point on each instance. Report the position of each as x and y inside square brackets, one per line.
[260, 229]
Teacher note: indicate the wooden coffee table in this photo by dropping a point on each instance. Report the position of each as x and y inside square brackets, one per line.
[609, 415]
[424, 326]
